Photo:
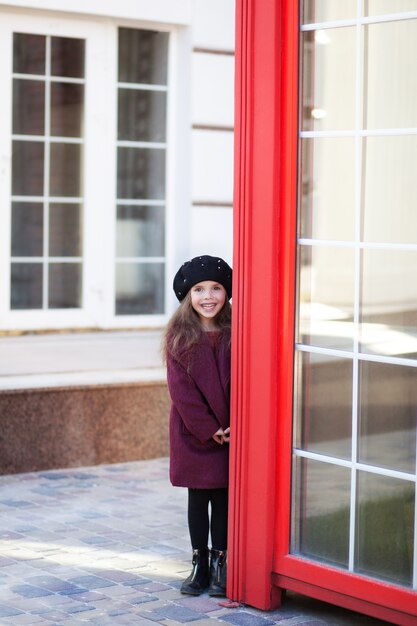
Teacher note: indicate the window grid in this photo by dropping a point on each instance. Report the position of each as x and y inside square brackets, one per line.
[357, 245]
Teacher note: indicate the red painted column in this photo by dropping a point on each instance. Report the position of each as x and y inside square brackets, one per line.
[259, 306]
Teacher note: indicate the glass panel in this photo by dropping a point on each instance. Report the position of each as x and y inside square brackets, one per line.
[26, 286]
[27, 168]
[378, 7]
[326, 296]
[390, 51]
[328, 55]
[141, 173]
[65, 176]
[140, 288]
[140, 231]
[64, 285]
[65, 230]
[67, 57]
[27, 229]
[28, 107]
[327, 186]
[388, 408]
[67, 102]
[390, 191]
[142, 115]
[389, 303]
[29, 54]
[315, 11]
[143, 56]
[384, 528]
[323, 405]
[321, 504]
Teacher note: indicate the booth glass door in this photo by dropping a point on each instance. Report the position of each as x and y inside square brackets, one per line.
[355, 383]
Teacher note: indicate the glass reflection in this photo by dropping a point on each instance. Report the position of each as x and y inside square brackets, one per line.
[65, 230]
[315, 11]
[327, 186]
[66, 109]
[26, 286]
[378, 7]
[320, 516]
[325, 298]
[65, 174]
[328, 54]
[29, 54]
[64, 285]
[387, 416]
[67, 57]
[140, 288]
[323, 404]
[142, 115]
[28, 107]
[140, 231]
[390, 192]
[388, 317]
[390, 60]
[27, 168]
[143, 56]
[141, 173]
[385, 528]
[27, 229]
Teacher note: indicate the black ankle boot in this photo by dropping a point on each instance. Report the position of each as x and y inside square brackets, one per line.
[198, 580]
[218, 573]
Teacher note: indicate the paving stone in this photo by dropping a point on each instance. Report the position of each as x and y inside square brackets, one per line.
[6, 611]
[243, 618]
[29, 591]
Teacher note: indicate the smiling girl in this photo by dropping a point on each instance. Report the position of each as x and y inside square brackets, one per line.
[197, 352]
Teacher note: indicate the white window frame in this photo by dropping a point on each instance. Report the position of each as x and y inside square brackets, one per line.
[100, 167]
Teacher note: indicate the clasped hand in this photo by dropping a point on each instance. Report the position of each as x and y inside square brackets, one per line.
[222, 436]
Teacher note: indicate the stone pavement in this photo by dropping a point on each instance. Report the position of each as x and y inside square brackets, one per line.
[108, 545]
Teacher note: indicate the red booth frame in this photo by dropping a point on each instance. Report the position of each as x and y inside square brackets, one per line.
[260, 565]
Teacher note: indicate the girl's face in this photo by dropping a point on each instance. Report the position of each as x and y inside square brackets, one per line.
[207, 300]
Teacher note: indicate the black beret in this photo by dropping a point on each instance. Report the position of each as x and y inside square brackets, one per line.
[199, 269]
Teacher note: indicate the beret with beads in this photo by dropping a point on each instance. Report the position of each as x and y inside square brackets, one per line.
[202, 268]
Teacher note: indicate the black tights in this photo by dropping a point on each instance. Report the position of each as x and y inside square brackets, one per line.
[198, 518]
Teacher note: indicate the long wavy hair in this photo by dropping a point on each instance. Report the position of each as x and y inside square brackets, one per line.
[184, 330]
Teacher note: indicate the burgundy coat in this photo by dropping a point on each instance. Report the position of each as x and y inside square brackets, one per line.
[200, 406]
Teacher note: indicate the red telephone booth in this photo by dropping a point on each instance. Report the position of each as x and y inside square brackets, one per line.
[323, 461]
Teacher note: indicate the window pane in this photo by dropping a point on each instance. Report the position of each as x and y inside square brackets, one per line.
[140, 231]
[28, 107]
[140, 288]
[390, 191]
[378, 7]
[391, 69]
[326, 296]
[314, 11]
[26, 286]
[67, 102]
[321, 504]
[29, 54]
[65, 176]
[27, 168]
[143, 56]
[384, 528]
[27, 229]
[67, 57]
[388, 408]
[323, 405]
[389, 303]
[142, 115]
[329, 54]
[141, 173]
[64, 285]
[65, 230]
[327, 186]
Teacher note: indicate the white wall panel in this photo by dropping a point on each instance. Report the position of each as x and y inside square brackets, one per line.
[214, 24]
[212, 166]
[212, 232]
[213, 83]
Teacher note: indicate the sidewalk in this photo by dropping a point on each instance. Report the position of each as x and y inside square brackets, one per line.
[108, 545]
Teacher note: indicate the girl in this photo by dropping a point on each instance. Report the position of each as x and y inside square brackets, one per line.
[197, 352]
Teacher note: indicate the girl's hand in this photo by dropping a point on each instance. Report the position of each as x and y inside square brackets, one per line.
[226, 435]
[222, 436]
